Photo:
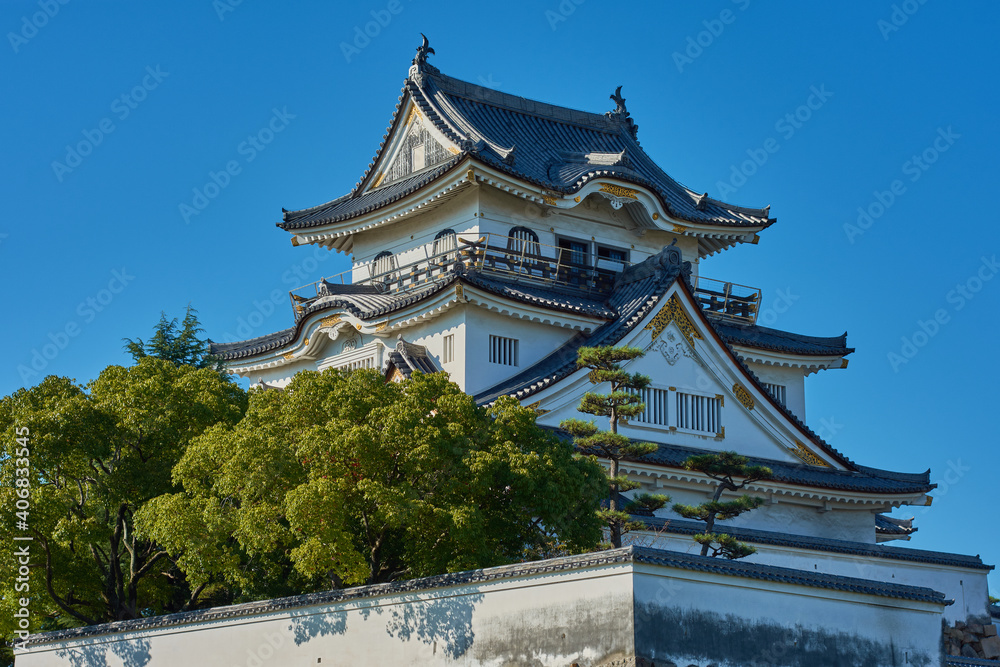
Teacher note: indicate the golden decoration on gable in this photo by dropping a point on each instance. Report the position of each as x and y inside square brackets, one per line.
[288, 356]
[414, 113]
[673, 311]
[619, 191]
[743, 396]
[378, 179]
[459, 292]
[678, 229]
[803, 453]
[382, 326]
[576, 199]
[329, 321]
[551, 201]
[453, 150]
[305, 342]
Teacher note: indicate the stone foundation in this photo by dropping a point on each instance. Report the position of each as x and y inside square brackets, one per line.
[973, 639]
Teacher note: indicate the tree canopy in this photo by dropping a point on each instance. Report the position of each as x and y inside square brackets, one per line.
[97, 454]
[352, 480]
[724, 468]
[178, 344]
[622, 402]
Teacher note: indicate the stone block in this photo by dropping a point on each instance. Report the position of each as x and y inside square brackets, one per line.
[989, 631]
[991, 647]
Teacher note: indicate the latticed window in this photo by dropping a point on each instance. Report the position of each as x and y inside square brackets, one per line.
[698, 413]
[657, 406]
[778, 391]
[445, 245]
[384, 267]
[523, 241]
[503, 351]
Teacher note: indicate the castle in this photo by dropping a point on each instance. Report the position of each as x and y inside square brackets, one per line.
[491, 237]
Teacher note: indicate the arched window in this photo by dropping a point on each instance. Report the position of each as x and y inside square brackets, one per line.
[523, 240]
[384, 267]
[445, 244]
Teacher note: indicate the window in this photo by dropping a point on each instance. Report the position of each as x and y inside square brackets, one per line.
[359, 363]
[678, 410]
[697, 413]
[445, 244]
[523, 240]
[777, 391]
[656, 401]
[576, 253]
[503, 351]
[448, 353]
[383, 267]
[417, 157]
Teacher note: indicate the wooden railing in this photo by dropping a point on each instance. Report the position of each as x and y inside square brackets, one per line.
[526, 261]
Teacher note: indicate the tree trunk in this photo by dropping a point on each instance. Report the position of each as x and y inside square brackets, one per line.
[615, 526]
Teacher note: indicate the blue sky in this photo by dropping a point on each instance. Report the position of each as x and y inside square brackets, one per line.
[869, 127]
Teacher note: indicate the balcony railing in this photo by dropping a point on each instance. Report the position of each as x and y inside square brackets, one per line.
[525, 260]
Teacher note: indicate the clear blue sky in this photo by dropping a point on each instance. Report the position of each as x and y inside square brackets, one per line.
[158, 95]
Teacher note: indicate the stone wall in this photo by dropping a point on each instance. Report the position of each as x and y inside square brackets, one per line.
[972, 640]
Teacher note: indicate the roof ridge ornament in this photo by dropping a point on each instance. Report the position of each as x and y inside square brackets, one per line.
[622, 115]
[420, 65]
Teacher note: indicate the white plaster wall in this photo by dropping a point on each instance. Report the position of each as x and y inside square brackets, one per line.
[551, 620]
[856, 525]
[412, 239]
[535, 342]
[967, 587]
[792, 378]
[589, 616]
[912, 628]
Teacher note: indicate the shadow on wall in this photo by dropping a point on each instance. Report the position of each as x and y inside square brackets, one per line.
[706, 636]
[445, 624]
[131, 653]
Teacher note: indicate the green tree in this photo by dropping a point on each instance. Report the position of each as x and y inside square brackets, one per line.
[178, 344]
[621, 403]
[355, 480]
[724, 468]
[97, 453]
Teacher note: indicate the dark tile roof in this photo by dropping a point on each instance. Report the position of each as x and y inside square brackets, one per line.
[408, 357]
[550, 297]
[684, 527]
[864, 480]
[554, 147]
[763, 338]
[624, 555]
[637, 291]
[632, 301]
[887, 525]
[366, 302]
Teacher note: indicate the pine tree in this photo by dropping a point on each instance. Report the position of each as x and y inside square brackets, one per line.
[179, 345]
[621, 403]
[723, 467]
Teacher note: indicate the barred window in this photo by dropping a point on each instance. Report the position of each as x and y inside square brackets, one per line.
[656, 402]
[776, 390]
[503, 351]
[698, 413]
[448, 354]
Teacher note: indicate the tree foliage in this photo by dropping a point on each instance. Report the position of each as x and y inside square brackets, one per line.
[97, 454]
[350, 479]
[178, 344]
[622, 402]
[724, 468]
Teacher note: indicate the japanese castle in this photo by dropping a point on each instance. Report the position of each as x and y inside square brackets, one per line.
[491, 237]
